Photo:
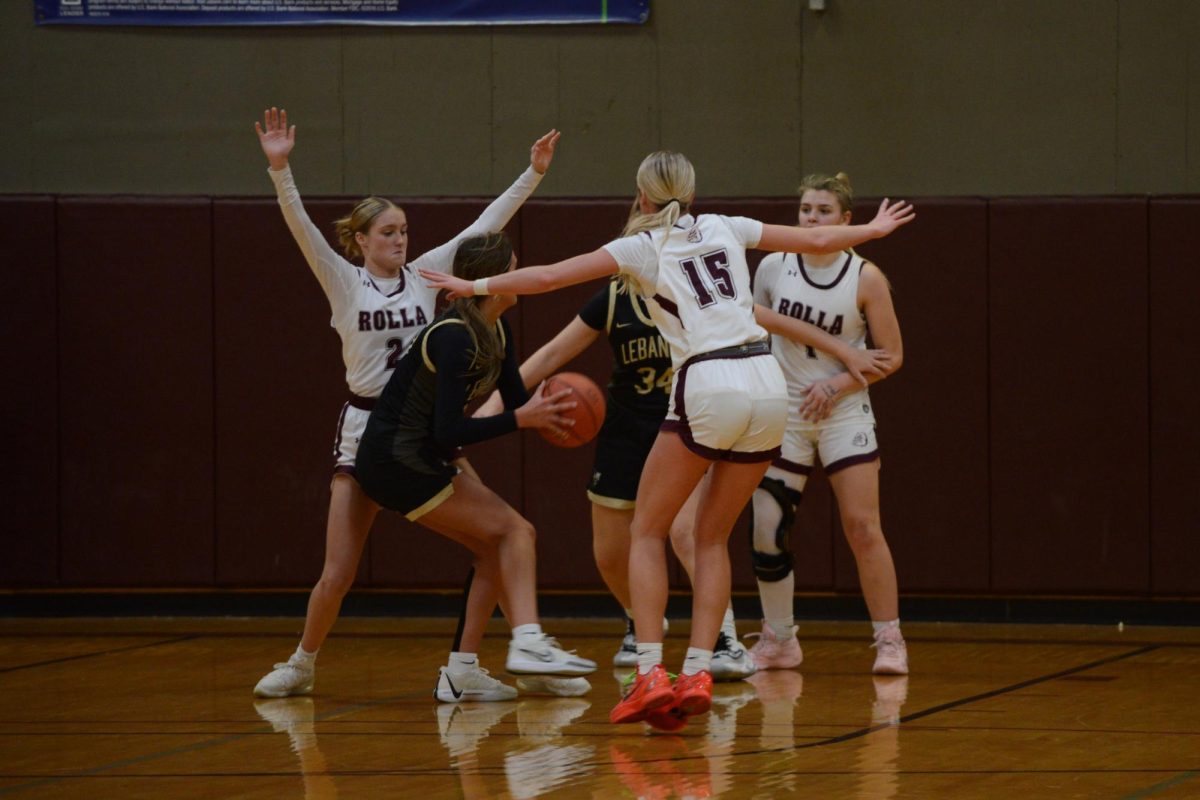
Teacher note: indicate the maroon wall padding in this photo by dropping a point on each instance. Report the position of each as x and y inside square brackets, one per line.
[29, 536]
[405, 554]
[932, 415]
[1175, 437]
[136, 390]
[1069, 425]
[181, 386]
[555, 479]
[279, 391]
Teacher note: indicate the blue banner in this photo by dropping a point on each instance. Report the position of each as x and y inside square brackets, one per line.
[338, 12]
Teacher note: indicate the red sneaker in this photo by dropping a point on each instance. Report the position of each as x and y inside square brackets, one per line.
[649, 691]
[667, 718]
[693, 693]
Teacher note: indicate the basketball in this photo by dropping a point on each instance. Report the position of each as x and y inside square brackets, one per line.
[588, 413]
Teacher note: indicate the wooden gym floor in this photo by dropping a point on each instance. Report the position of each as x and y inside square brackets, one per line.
[154, 708]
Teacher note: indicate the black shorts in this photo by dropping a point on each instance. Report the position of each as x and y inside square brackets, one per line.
[622, 446]
[400, 487]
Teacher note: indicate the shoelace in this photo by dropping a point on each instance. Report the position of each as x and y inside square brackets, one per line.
[552, 642]
[724, 645]
[887, 645]
[290, 665]
[628, 680]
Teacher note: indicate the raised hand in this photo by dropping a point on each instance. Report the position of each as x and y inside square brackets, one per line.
[275, 137]
[542, 152]
[892, 215]
[455, 287]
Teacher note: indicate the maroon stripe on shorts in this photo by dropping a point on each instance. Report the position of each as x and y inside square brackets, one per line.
[792, 466]
[684, 431]
[842, 463]
[337, 438]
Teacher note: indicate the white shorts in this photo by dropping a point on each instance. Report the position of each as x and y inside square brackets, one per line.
[728, 406]
[847, 437]
[350, 427]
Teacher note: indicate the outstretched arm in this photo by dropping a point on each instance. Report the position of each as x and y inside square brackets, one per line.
[860, 363]
[501, 210]
[832, 238]
[530, 280]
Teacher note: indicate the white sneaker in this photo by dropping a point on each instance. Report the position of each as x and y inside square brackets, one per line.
[474, 685]
[626, 656]
[771, 652]
[551, 685]
[731, 661]
[891, 655]
[543, 656]
[292, 677]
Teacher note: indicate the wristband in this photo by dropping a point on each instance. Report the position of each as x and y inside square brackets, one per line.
[481, 286]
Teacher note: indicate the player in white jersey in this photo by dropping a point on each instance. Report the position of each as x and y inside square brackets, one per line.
[728, 398]
[378, 309]
[829, 416]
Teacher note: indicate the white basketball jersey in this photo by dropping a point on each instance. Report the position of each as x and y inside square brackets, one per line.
[696, 281]
[377, 319]
[824, 296]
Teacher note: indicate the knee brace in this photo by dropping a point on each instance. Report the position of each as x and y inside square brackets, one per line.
[771, 567]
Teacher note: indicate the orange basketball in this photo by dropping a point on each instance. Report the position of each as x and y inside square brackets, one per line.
[588, 413]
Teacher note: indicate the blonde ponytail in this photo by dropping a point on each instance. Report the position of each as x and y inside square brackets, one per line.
[668, 181]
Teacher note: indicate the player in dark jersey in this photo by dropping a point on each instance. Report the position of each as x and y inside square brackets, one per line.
[404, 465]
[638, 394]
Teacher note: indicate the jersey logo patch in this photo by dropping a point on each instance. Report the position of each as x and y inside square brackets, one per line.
[694, 235]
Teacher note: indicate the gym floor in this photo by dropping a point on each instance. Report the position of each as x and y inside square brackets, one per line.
[162, 707]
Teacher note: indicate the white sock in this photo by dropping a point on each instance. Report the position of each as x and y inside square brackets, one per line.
[880, 626]
[303, 656]
[462, 662]
[697, 660]
[649, 654]
[782, 628]
[526, 632]
[778, 598]
[728, 626]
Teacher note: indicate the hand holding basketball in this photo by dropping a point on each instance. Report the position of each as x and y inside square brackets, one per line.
[586, 413]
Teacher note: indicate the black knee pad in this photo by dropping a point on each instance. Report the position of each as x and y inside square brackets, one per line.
[771, 567]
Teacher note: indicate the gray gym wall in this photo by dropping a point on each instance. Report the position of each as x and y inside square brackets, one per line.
[911, 97]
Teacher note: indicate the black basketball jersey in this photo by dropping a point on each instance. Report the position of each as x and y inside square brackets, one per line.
[642, 372]
[419, 414]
